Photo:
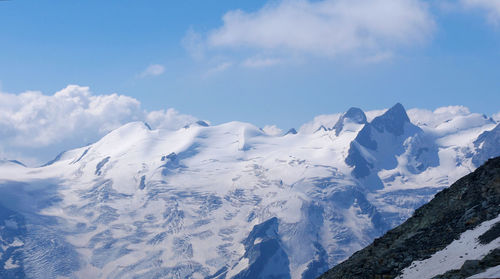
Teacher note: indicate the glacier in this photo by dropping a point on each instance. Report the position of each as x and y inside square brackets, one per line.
[230, 201]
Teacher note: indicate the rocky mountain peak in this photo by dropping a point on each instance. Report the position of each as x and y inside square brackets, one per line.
[291, 131]
[355, 115]
[392, 121]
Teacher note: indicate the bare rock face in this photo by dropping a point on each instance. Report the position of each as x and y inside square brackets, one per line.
[470, 201]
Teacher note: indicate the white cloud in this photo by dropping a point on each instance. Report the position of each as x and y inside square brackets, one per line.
[329, 120]
[438, 116]
[36, 125]
[193, 43]
[491, 7]
[326, 120]
[257, 62]
[168, 119]
[272, 130]
[152, 71]
[326, 28]
[452, 110]
[221, 67]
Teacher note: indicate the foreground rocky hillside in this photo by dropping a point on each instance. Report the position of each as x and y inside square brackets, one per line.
[456, 235]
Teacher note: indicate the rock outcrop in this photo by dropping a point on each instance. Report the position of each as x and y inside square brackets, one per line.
[469, 202]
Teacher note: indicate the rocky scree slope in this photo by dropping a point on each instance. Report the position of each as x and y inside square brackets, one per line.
[469, 202]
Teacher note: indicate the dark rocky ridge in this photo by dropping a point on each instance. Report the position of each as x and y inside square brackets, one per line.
[392, 121]
[470, 201]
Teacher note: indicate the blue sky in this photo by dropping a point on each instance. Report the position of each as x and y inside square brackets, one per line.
[46, 45]
[266, 62]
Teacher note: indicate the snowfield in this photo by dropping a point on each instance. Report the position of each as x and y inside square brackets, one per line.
[230, 201]
[454, 255]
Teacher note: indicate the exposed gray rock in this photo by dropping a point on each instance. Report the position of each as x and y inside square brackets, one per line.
[467, 203]
[291, 131]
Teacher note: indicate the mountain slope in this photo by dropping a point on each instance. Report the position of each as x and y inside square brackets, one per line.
[466, 205]
[207, 201]
[380, 142]
[486, 146]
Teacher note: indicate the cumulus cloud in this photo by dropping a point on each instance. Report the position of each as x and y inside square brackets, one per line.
[438, 116]
[272, 130]
[152, 71]
[326, 120]
[36, 125]
[326, 28]
[462, 118]
[169, 119]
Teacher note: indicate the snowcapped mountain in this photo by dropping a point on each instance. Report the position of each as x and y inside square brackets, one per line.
[230, 201]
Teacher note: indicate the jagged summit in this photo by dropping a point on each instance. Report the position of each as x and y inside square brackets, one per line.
[379, 143]
[322, 128]
[352, 115]
[356, 114]
[392, 121]
[292, 131]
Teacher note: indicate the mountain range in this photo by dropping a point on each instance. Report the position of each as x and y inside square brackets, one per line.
[232, 201]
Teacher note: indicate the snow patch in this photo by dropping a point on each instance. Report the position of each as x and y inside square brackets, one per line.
[454, 255]
[492, 272]
[9, 264]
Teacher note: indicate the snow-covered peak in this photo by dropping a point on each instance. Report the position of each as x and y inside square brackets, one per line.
[351, 116]
[202, 201]
[291, 131]
[487, 146]
[356, 115]
[390, 142]
[123, 138]
[392, 121]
